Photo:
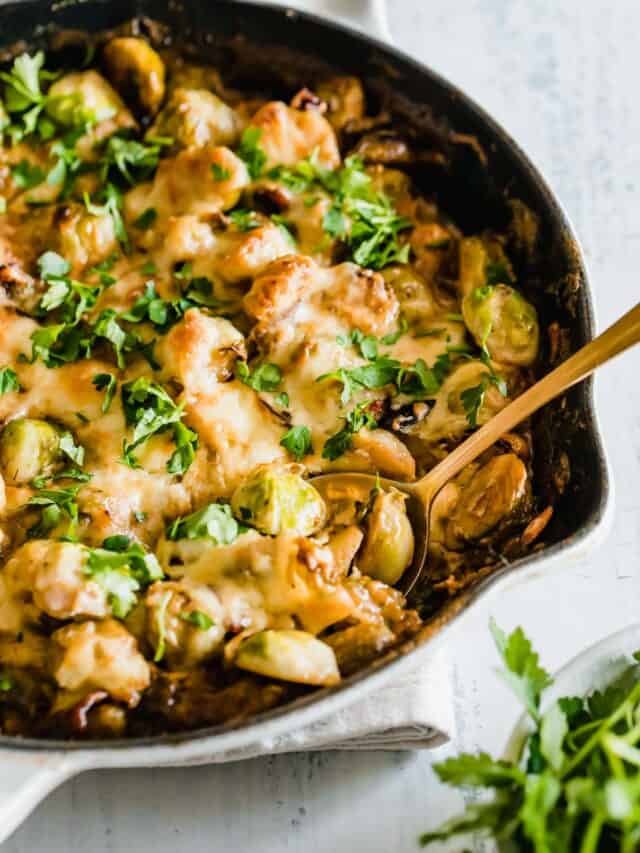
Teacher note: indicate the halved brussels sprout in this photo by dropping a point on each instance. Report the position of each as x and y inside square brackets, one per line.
[495, 492]
[137, 71]
[345, 100]
[290, 656]
[80, 97]
[185, 622]
[276, 499]
[502, 320]
[28, 448]
[389, 542]
[196, 117]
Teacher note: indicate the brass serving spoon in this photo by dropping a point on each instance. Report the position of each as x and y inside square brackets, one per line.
[617, 338]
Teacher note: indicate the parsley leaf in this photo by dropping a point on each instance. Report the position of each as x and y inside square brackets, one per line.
[219, 172]
[147, 218]
[8, 380]
[102, 382]
[131, 160]
[108, 202]
[244, 220]
[523, 672]
[198, 618]
[214, 522]
[251, 152]
[70, 449]
[55, 505]
[27, 175]
[297, 441]
[358, 418]
[122, 568]
[150, 410]
[264, 377]
[161, 628]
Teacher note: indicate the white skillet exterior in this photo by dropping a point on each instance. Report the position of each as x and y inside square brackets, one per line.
[28, 775]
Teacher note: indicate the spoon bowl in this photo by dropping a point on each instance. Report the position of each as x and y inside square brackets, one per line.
[420, 495]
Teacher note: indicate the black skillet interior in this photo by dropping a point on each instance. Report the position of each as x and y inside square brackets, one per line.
[277, 51]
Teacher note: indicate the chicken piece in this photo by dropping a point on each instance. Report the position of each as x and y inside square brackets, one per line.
[100, 656]
[185, 623]
[51, 575]
[247, 254]
[190, 183]
[199, 351]
[281, 286]
[361, 299]
[289, 135]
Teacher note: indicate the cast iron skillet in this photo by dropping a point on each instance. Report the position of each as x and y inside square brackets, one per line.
[475, 170]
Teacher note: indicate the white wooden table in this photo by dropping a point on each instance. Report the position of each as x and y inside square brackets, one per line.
[563, 81]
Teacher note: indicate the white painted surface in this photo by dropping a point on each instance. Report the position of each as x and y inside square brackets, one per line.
[562, 78]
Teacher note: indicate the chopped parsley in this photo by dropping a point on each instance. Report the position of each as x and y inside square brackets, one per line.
[6, 683]
[108, 202]
[360, 417]
[197, 618]
[264, 377]
[27, 175]
[8, 380]
[214, 522]
[130, 161]
[105, 382]
[55, 505]
[244, 220]
[122, 568]
[71, 450]
[251, 152]
[149, 409]
[297, 441]
[147, 218]
[220, 173]
[473, 398]
[161, 628]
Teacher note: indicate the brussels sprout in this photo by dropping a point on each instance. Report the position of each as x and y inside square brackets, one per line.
[345, 100]
[83, 96]
[275, 499]
[289, 655]
[388, 544]
[185, 622]
[196, 117]
[494, 493]
[501, 320]
[137, 71]
[28, 448]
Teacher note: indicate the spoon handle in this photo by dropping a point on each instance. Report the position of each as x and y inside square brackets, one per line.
[617, 338]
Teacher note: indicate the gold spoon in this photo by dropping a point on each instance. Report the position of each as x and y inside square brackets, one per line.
[617, 338]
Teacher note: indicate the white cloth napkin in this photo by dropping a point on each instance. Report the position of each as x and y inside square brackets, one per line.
[414, 712]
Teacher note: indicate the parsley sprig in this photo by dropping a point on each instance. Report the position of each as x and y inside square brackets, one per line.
[122, 568]
[576, 785]
[214, 521]
[150, 410]
[360, 417]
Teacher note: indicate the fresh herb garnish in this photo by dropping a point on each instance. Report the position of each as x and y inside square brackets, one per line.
[71, 450]
[214, 522]
[360, 417]
[574, 785]
[8, 380]
[473, 398]
[105, 382]
[219, 172]
[394, 337]
[108, 202]
[149, 409]
[196, 617]
[122, 568]
[251, 152]
[297, 441]
[55, 505]
[6, 683]
[287, 228]
[161, 628]
[147, 218]
[27, 175]
[263, 377]
[244, 220]
[130, 161]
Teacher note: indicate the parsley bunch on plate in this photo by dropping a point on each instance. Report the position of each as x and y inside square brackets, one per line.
[577, 785]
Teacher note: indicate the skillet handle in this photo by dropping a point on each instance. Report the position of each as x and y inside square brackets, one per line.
[26, 777]
[369, 16]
